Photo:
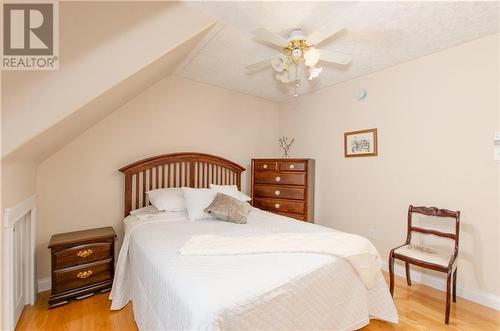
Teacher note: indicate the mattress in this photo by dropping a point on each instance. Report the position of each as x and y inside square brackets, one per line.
[278, 291]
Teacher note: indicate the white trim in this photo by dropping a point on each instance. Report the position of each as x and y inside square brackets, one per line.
[14, 214]
[439, 283]
[44, 284]
[11, 216]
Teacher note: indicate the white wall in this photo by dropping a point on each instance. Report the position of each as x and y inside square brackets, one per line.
[435, 116]
[80, 186]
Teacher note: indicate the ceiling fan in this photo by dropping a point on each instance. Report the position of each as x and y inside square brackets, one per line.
[299, 54]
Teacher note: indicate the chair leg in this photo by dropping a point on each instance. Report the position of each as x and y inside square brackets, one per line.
[455, 285]
[408, 279]
[391, 273]
[448, 297]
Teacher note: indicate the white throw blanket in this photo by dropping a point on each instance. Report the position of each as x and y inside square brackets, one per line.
[358, 250]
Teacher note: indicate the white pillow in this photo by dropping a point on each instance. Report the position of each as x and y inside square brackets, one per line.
[144, 210]
[167, 199]
[231, 190]
[197, 199]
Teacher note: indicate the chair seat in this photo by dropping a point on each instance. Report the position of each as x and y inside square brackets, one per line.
[428, 254]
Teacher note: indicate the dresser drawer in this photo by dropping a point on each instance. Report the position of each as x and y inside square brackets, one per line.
[82, 275]
[265, 191]
[279, 205]
[262, 177]
[82, 254]
[265, 166]
[292, 166]
[300, 217]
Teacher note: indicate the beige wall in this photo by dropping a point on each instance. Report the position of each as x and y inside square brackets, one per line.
[18, 181]
[111, 49]
[80, 186]
[436, 116]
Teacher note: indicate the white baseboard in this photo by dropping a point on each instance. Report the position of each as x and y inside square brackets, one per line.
[439, 283]
[44, 284]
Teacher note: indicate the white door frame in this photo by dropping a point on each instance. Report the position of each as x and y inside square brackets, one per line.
[10, 217]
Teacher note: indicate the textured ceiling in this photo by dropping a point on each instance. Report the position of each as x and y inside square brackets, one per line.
[379, 35]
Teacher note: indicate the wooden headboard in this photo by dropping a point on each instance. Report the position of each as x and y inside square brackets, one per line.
[196, 170]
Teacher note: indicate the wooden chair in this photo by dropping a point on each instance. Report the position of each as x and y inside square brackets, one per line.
[428, 256]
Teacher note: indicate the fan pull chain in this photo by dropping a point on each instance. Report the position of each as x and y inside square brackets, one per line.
[297, 85]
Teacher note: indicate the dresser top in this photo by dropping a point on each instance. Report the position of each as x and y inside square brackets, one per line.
[288, 159]
[79, 236]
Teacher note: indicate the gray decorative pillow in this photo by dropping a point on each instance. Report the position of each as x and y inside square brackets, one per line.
[228, 209]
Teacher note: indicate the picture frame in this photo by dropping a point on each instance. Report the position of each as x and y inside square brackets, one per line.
[361, 143]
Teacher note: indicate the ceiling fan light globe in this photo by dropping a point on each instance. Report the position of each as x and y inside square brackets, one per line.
[314, 72]
[279, 62]
[311, 57]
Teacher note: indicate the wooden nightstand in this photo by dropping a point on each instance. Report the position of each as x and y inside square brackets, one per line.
[82, 264]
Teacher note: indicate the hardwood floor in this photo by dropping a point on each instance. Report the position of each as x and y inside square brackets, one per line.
[420, 308]
[84, 315]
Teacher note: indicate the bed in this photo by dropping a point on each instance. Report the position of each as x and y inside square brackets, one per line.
[278, 291]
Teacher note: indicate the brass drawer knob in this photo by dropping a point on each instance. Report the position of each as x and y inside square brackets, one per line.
[84, 274]
[277, 192]
[277, 206]
[85, 253]
[292, 166]
[264, 166]
[278, 178]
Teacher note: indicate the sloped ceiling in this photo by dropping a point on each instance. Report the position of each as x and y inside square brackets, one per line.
[109, 52]
[379, 35]
[49, 141]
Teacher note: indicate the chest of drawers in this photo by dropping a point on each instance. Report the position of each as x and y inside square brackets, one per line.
[284, 186]
[82, 264]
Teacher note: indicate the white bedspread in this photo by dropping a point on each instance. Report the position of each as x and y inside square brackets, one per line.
[278, 291]
[358, 250]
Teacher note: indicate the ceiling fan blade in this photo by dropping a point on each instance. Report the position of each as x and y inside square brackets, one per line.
[335, 57]
[323, 33]
[259, 65]
[271, 37]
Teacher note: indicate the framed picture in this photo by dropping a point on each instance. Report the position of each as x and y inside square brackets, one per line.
[360, 143]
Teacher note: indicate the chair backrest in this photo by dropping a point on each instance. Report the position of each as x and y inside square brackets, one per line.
[436, 212]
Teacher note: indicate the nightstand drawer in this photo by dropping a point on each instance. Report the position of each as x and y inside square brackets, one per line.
[82, 275]
[82, 254]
